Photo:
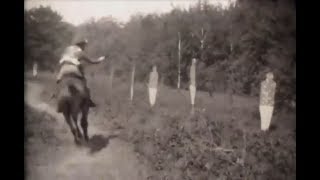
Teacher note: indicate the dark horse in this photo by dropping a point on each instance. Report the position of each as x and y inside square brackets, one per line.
[73, 100]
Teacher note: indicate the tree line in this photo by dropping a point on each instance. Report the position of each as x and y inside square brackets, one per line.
[235, 46]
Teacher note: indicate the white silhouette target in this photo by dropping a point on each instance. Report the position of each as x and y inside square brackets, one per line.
[153, 86]
[267, 96]
[35, 69]
[192, 86]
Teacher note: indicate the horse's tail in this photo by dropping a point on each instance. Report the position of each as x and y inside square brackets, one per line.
[63, 105]
[63, 102]
[73, 90]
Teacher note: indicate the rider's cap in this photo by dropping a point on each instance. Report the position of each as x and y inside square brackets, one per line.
[84, 41]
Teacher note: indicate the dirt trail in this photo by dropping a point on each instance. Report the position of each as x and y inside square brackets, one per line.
[114, 159]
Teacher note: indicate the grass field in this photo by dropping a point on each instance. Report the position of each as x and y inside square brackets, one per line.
[222, 140]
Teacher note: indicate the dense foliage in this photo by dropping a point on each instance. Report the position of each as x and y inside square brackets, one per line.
[46, 35]
[240, 44]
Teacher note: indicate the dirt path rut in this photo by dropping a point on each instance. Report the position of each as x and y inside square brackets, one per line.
[114, 159]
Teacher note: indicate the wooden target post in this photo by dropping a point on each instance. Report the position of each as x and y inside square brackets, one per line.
[111, 81]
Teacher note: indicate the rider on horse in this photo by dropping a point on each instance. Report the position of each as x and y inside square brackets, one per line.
[71, 63]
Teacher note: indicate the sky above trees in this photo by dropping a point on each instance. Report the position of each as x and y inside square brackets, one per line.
[77, 12]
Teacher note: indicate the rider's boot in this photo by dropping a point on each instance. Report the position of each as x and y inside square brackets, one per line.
[91, 103]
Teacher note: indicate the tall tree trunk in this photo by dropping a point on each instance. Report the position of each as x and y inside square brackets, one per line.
[179, 60]
[202, 41]
[231, 40]
[230, 93]
[111, 77]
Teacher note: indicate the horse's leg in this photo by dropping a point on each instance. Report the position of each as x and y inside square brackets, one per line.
[84, 122]
[75, 120]
[72, 128]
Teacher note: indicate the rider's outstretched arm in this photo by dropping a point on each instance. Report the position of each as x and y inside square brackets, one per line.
[89, 60]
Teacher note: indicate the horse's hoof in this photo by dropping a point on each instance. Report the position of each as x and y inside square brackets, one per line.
[86, 138]
[77, 142]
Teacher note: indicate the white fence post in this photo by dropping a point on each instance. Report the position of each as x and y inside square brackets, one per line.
[35, 69]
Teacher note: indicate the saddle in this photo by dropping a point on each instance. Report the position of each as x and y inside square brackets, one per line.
[75, 80]
[71, 74]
